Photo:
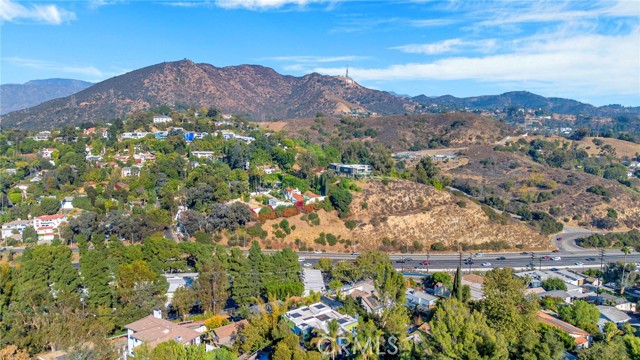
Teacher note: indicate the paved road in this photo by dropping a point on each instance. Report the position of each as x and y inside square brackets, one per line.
[514, 260]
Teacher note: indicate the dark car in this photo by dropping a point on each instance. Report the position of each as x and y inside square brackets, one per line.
[468, 261]
[501, 258]
[408, 259]
[590, 259]
[559, 239]
[401, 261]
[556, 251]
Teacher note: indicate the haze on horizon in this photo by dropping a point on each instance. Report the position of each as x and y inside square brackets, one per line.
[588, 51]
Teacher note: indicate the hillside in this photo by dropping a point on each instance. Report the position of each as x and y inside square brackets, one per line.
[404, 214]
[526, 100]
[258, 92]
[400, 133]
[21, 96]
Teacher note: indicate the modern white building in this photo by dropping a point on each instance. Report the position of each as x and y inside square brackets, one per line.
[161, 119]
[317, 316]
[17, 226]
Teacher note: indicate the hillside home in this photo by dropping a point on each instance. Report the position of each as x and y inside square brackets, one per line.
[420, 300]
[41, 136]
[364, 292]
[53, 221]
[46, 152]
[204, 154]
[134, 135]
[161, 119]
[313, 281]
[354, 170]
[177, 281]
[67, 203]
[475, 283]
[154, 330]
[582, 338]
[297, 198]
[274, 203]
[226, 335]
[317, 316]
[618, 302]
[130, 171]
[16, 226]
[45, 234]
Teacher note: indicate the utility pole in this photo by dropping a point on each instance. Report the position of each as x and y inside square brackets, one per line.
[601, 277]
[469, 264]
[533, 255]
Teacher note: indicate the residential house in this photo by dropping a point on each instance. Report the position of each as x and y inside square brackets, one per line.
[204, 154]
[618, 302]
[313, 281]
[420, 299]
[49, 220]
[130, 171]
[45, 234]
[154, 330]
[161, 119]
[134, 135]
[365, 293]
[475, 283]
[353, 170]
[611, 314]
[67, 203]
[297, 198]
[177, 281]
[46, 152]
[559, 294]
[317, 316]
[18, 226]
[226, 335]
[582, 338]
[274, 203]
[42, 136]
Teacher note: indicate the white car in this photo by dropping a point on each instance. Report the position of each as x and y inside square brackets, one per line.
[302, 259]
[479, 254]
[487, 264]
[307, 265]
[317, 252]
[579, 263]
[556, 258]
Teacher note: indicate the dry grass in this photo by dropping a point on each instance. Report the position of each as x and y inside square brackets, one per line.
[623, 148]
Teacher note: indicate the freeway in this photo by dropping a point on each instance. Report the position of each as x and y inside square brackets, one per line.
[411, 262]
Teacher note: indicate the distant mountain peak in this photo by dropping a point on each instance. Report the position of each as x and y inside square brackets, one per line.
[15, 97]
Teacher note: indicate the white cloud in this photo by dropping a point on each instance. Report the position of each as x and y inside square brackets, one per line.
[48, 14]
[431, 22]
[89, 73]
[580, 65]
[447, 46]
[264, 4]
[317, 59]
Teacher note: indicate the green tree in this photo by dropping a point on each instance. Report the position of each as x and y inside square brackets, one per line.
[282, 352]
[581, 314]
[613, 350]
[341, 199]
[554, 283]
[505, 305]
[29, 235]
[458, 333]
[457, 284]
[96, 273]
[49, 205]
[183, 300]
[212, 286]
[169, 350]
[626, 251]
[328, 340]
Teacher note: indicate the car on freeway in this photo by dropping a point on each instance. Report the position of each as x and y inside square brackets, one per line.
[355, 254]
[556, 251]
[546, 257]
[302, 259]
[425, 263]
[479, 254]
[559, 239]
[590, 259]
[556, 258]
[307, 265]
[524, 253]
[487, 264]
[401, 261]
[501, 258]
[408, 259]
[468, 261]
[419, 267]
[579, 263]
[317, 252]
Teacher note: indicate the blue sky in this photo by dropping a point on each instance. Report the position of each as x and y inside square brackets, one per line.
[584, 50]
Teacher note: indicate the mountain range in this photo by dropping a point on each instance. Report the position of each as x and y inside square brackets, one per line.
[21, 96]
[257, 92]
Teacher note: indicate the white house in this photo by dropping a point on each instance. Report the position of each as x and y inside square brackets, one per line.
[161, 119]
[53, 221]
[67, 203]
[46, 152]
[130, 171]
[154, 330]
[274, 203]
[313, 281]
[204, 154]
[296, 197]
[420, 299]
[17, 225]
[611, 314]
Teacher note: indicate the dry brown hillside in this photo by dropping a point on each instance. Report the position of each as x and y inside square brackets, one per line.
[406, 214]
[401, 132]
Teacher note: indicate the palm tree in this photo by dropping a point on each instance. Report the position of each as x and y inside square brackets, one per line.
[328, 338]
[626, 250]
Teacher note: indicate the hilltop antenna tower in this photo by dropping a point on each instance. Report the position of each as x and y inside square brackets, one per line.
[347, 75]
